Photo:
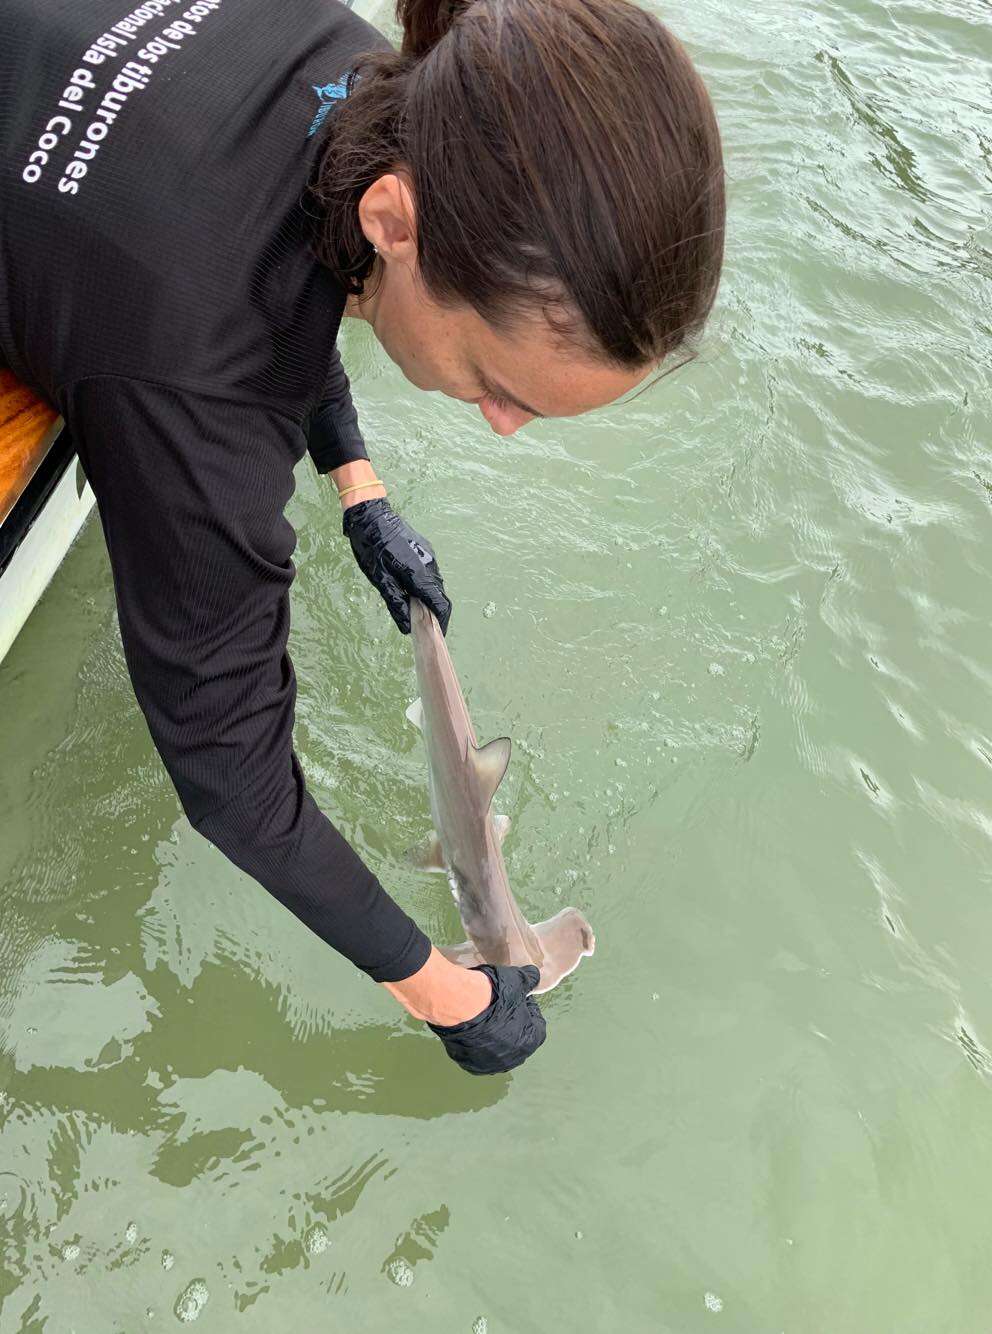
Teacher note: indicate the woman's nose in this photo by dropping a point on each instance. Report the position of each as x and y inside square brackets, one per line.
[504, 419]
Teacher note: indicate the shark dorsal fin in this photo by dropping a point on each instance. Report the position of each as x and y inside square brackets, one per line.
[415, 714]
[489, 763]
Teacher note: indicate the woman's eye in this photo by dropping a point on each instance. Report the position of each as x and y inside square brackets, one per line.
[502, 414]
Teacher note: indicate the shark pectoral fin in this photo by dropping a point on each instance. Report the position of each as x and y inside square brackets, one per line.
[501, 823]
[415, 713]
[465, 954]
[490, 763]
[565, 940]
[427, 856]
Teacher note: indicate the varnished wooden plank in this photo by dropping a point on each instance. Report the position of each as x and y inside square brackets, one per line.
[25, 423]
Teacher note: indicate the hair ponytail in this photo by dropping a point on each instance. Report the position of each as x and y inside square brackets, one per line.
[564, 156]
[424, 23]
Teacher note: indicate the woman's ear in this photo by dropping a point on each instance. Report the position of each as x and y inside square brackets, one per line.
[387, 214]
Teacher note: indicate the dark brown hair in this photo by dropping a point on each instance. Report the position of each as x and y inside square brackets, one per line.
[564, 155]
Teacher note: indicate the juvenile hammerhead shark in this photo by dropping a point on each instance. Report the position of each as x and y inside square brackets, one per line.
[462, 779]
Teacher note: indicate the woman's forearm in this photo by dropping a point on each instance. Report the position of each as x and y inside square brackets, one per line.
[356, 474]
[443, 992]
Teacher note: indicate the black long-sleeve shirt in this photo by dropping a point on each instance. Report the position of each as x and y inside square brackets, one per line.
[157, 286]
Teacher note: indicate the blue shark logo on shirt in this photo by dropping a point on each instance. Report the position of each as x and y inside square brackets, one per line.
[327, 95]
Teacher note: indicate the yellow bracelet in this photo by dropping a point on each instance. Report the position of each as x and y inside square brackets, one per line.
[358, 486]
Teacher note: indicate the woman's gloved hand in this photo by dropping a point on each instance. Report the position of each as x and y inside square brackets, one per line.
[509, 1030]
[396, 560]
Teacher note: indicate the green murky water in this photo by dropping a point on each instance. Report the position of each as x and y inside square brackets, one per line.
[746, 663]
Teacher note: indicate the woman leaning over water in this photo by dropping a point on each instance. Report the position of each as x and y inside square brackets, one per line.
[526, 203]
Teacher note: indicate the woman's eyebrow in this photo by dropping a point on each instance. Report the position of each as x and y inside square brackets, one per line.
[496, 392]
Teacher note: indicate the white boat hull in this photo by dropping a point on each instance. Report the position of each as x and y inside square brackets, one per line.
[40, 552]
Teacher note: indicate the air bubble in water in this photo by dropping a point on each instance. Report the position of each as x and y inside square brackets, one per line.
[316, 1240]
[480, 1326]
[712, 1302]
[715, 669]
[168, 1259]
[191, 1301]
[489, 610]
[131, 1233]
[401, 1272]
[70, 1251]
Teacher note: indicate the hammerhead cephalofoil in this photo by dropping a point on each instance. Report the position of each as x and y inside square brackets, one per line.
[462, 779]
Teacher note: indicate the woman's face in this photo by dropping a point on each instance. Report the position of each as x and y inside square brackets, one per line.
[512, 378]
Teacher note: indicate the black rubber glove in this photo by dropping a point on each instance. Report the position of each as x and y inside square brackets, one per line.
[509, 1030]
[396, 560]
